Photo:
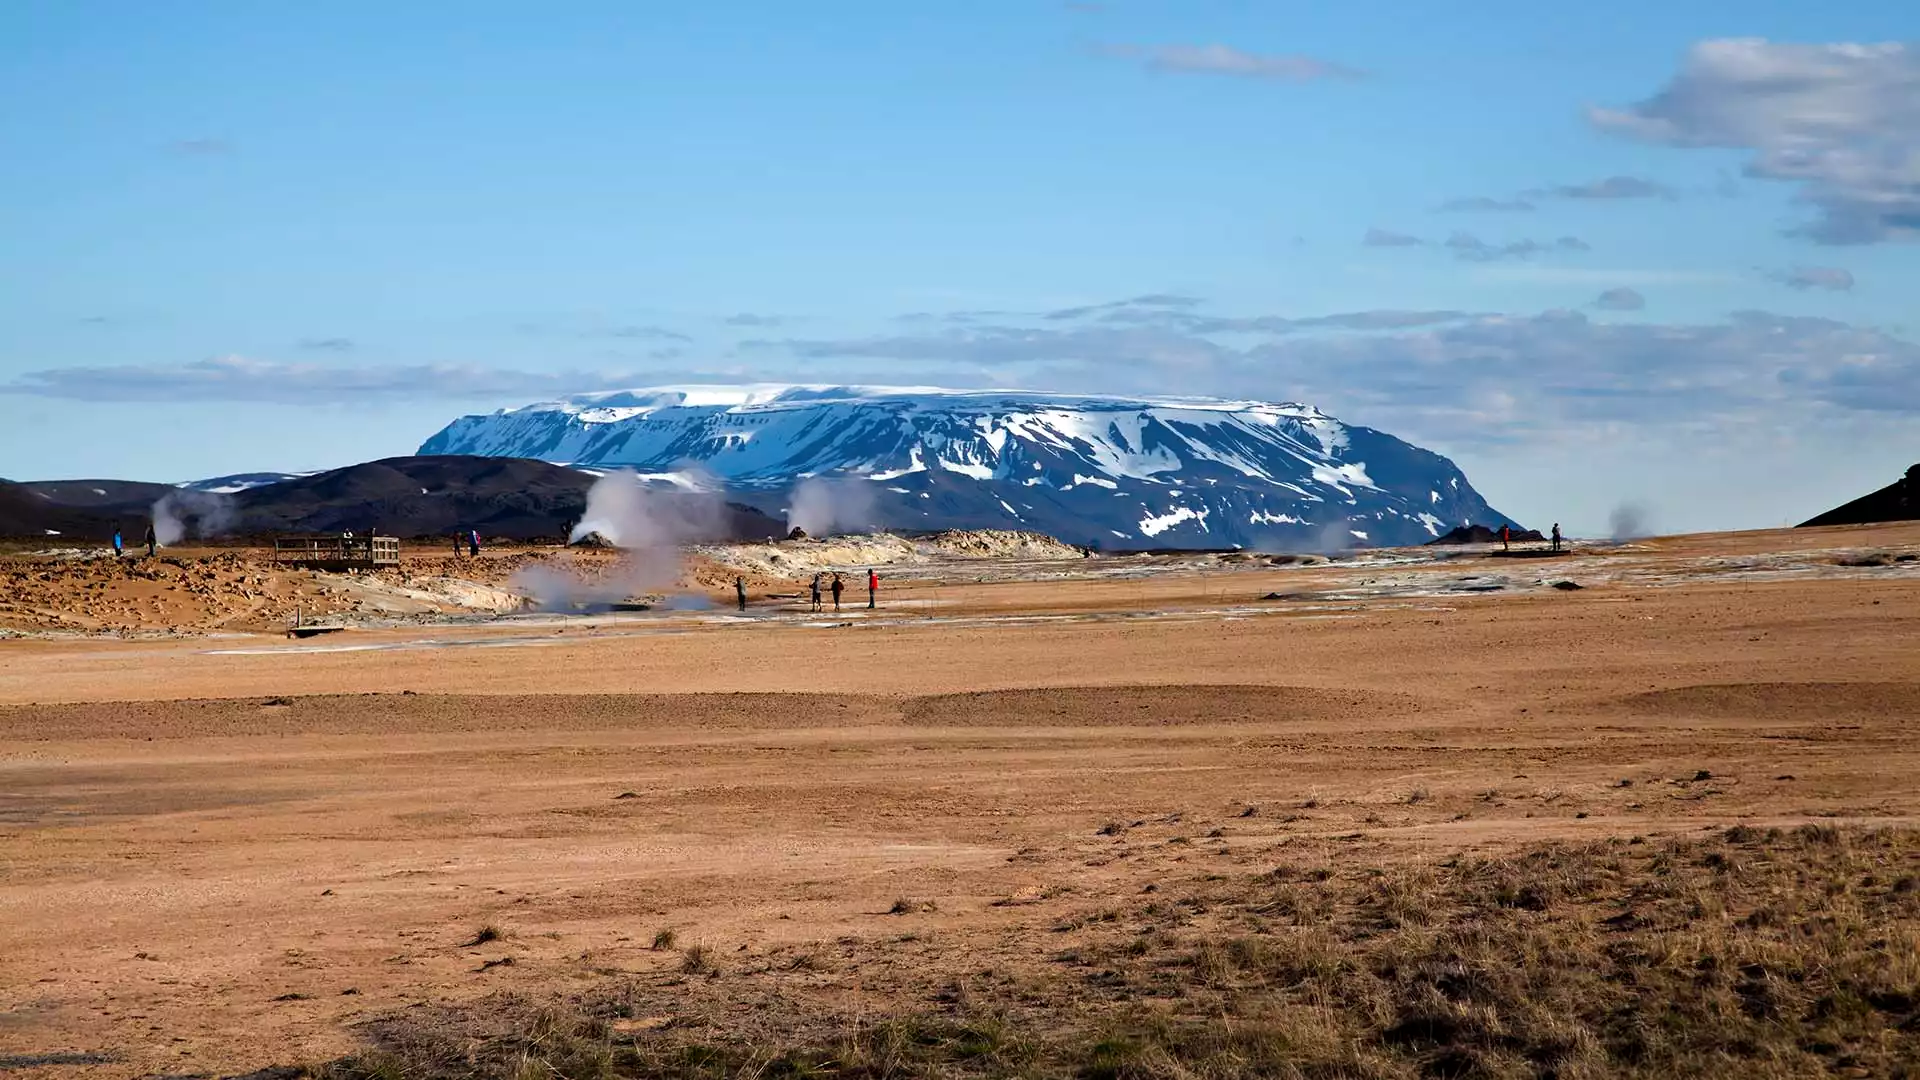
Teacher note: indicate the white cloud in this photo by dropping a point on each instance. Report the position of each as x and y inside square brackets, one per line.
[1841, 120]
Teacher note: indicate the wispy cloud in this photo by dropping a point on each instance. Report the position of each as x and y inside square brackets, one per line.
[1388, 238]
[1151, 301]
[1481, 204]
[1621, 299]
[750, 319]
[641, 333]
[1447, 374]
[1830, 278]
[1227, 60]
[1467, 246]
[1841, 120]
[237, 378]
[1443, 374]
[1612, 187]
[327, 344]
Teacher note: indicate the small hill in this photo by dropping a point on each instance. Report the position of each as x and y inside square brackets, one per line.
[506, 498]
[514, 498]
[1480, 534]
[133, 496]
[26, 513]
[1898, 501]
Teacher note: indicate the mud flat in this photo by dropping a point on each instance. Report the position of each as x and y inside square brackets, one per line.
[1089, 825]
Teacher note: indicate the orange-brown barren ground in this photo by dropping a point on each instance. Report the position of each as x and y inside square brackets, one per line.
[1387, 823]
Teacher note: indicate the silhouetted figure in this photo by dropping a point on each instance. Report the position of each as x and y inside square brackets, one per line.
[838, 588]
[1506, 538]
[116, 543]
[458, 544]
[873, 587]
[740, 591]
[473, 542]
[816, 592]
[1556, 536]
[153, 541]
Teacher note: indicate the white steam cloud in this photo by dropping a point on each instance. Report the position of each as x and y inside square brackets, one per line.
[185, 513]
[824, 504]
[648, 526]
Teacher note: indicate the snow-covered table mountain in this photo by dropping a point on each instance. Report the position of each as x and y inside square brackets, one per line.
[1102, 471]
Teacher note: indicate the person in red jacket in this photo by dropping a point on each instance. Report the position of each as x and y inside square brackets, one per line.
[1506, 538]
[873, 587]
[838, 587]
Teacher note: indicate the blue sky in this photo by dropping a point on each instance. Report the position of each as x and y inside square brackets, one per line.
[1635, 252]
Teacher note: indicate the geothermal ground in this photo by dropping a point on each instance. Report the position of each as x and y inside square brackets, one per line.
[1409, 813]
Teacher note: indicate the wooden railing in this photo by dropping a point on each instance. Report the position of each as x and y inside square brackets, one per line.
[339, 550]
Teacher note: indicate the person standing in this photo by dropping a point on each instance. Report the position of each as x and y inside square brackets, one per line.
[473, 542]
[873, 587]
[152, 540]
[1506, 538]
[740, 591]
[816, 592]
[838, 588]
[1556, 536]
[457, 538]
[116, 542]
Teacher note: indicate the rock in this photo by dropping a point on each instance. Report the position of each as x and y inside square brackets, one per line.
[1568, 586]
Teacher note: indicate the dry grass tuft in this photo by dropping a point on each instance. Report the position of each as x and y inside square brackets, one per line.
[485, 935]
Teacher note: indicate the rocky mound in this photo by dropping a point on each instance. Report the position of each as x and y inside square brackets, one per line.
[1002, 544]
[1480, 534]
[1898, 501]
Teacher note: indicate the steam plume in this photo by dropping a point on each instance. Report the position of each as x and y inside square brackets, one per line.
[647, 526]
[186, 513]
[1629, 521]
[824, 504]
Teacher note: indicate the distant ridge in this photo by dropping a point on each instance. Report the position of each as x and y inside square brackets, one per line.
[431, 496]
[1898, 501]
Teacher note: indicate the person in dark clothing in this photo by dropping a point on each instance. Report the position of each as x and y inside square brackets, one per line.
[152, 541]
[873, 587]
[740, 591]
[473, 542]
[838, 588]
[458, 543]
[116, 543]
[816, 592]
[1556, 536]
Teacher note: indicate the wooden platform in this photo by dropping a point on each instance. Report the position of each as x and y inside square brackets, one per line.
[338, 552]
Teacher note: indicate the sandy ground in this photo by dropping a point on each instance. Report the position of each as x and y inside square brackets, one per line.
[223, 852]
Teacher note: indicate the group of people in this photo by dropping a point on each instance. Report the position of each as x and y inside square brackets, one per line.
[821, 584]
[469, 540]
[152, 542]
[1506, 537]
